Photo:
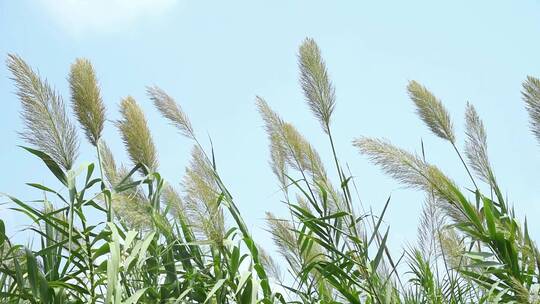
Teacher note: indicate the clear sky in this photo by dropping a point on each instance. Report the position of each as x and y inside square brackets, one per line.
[215, 57]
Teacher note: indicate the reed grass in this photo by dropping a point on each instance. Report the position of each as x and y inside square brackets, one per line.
[155, 243]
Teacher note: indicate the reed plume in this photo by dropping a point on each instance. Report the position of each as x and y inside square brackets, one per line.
[47, 125]
[414, 172]
[407, 168]
[429, 228]
[453, 247]
[130, 205]
[171, 110]
[86, 99]
[431, 111]
[288, 146]
[476, 145]
[202, 195]
[173, 201]
[132, 209]
[289, 149]
[531, 96]
[269, 264]
[284, 237]
[108, 164]
[136, 135]
[318, 89]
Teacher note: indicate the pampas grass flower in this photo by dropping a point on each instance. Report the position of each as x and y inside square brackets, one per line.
[318, 89]
[47, 125]
[136, 134]
[86, 99]
[432, 111]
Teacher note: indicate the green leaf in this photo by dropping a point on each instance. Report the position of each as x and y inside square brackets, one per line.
[216, 287]
[50, 163]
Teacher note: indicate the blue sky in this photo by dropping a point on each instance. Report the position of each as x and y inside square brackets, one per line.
[215, 57]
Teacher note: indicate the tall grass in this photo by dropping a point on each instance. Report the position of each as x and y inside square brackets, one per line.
[153, 243]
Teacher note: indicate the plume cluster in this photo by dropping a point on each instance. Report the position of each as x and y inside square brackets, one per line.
[318, 89]
[288, 146]
[432, 111]
[86, 99]
[47, 126]
[136, 134]
[130, 206]
[289, 149]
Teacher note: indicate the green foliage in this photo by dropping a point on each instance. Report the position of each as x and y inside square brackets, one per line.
[152, 243]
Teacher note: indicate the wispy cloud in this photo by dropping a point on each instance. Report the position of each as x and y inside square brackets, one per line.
[103, 16]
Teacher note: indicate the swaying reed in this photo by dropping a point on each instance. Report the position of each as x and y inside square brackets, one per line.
[318, 89]
[47, 126]
[432, 111]
[136, 135]
[191, 245]
[86, 99]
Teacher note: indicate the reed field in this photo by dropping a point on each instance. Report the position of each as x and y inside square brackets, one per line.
[121, 233]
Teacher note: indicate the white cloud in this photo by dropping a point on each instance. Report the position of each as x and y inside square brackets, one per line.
[103, 16]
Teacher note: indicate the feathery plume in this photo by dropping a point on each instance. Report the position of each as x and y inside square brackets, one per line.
[288, 145]
[531, 96]
[47, 126]
[289, 149]
[414, 172]
[201, 198]
[130, 205]
[272, 121]
[171, 110]
[86, 99]
[284, 238]
[278, 155]
[136, 135]
[407, 168]
[108, 164]
[318, 89]
[431, 222]
[172, 199]
[269, 264]
[432, 111]
[453, 248]
[476, 145]
[278, 161]
[132, 209]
